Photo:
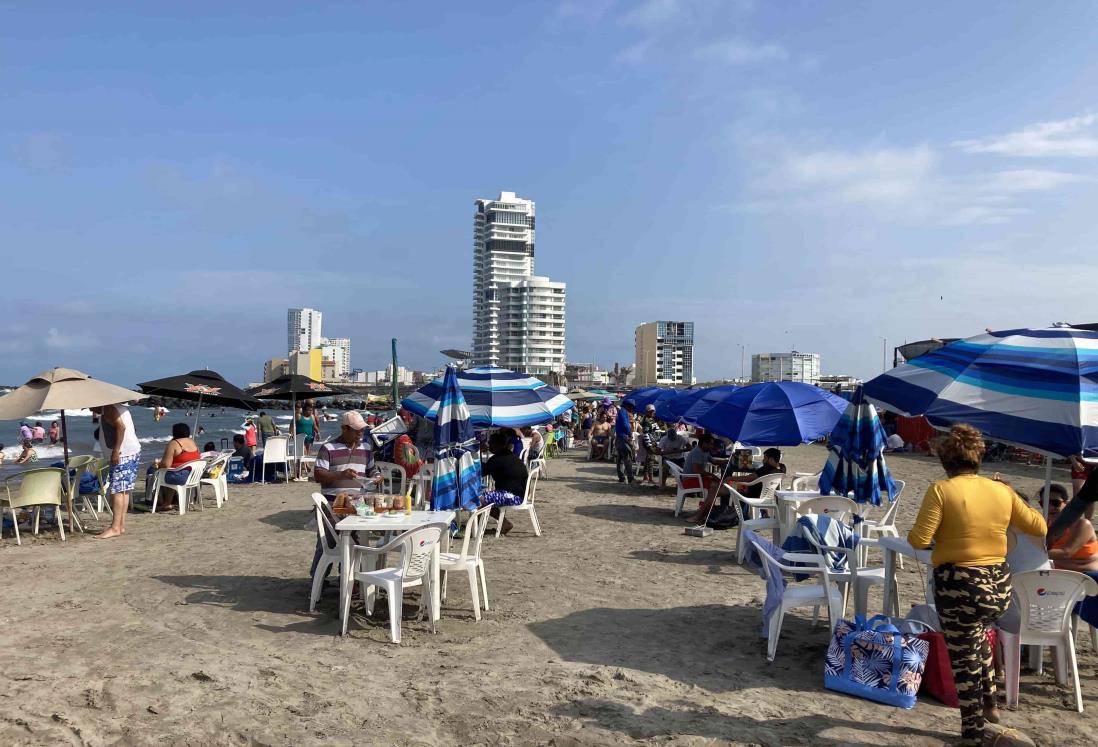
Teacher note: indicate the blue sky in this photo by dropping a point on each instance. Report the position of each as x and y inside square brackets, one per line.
[794, 174]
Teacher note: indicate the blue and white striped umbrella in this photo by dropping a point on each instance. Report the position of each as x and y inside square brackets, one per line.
[456, 478]
[1034, 388]
[496, 397]
[855, 462]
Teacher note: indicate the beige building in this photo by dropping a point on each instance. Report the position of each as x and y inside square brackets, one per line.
[664, 354]
[274, 368]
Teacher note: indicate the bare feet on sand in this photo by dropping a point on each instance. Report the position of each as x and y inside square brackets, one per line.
[109, 533]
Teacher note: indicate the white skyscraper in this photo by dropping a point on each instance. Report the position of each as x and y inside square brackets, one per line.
[338, 351]
[302, 330]
[792, 366]
[664, 353]
[518, 318]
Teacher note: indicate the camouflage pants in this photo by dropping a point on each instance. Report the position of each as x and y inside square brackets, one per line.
[969, 599]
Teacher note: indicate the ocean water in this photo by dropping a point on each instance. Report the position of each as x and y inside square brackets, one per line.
[219, 426]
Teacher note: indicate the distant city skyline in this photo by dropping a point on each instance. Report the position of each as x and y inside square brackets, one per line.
[786, 175]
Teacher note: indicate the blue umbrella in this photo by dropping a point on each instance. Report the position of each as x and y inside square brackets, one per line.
[784, 413]
[649, 395]
[855, 462]
[671, 409]
[456, 478]
[1034, 388]
[495, 397]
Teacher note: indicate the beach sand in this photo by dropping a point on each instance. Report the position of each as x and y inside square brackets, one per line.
[611, 628]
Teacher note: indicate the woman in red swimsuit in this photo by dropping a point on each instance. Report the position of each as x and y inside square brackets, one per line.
[179, 451]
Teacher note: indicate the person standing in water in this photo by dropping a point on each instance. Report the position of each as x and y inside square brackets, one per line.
[118, 438]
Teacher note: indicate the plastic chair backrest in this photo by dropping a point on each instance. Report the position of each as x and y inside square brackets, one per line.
[531, 486]
[673, 468]
[391, 471]
[1046, 599]
[474, 531]
[889, 517]
[770, 485]
[79, 462]
[297, 447]
[805, 483]
[418, 544]
[835, 506]
[325, 521]
[46, 486]
[275, 450]
[196, 467]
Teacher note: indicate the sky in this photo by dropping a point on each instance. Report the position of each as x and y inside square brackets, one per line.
[826, 177]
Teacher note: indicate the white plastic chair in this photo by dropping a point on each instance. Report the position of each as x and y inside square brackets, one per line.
[101, 468]
[47, 486]
[395, 478]
[421, 485]
[682, 492]
[885, 526]
[526, 505]
[802, 594]
[836, 507]
[856, 576]
[183, 492]
[220, 484]
[804, 483]
[418, 555]
[769, 486]
[275, 451]
[329, 545]
[541, 464]
[1045, 600]
[80, 464]
[469, 561]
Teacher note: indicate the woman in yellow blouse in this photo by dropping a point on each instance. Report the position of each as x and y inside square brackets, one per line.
[966, 518]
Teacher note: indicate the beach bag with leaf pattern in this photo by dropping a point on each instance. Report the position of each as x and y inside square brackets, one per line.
[872, 659]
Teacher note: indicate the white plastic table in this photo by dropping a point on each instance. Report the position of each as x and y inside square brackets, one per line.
[787, 501]
[891, 547]
[390, 522]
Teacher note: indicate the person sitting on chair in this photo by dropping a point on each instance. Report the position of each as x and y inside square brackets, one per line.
[179, 451]
[1077, 548]
[509, 475]
[600, 438]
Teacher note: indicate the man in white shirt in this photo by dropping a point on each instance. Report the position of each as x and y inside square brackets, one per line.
[672, 447]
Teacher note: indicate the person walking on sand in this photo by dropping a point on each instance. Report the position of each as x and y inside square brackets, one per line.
[623, 436]
[119, 439]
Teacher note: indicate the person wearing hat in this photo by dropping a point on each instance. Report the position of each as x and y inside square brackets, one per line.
[649, 449]
[343, 463]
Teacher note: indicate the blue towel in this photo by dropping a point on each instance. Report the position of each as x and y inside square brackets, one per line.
[775, 583]
[826, 531]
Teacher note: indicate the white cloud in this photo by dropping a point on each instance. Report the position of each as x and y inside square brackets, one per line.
[56, 340]
[1071, 138]
[652, 14]
[635, 54]
[871, 175]
[741, 52]
[1032, 180]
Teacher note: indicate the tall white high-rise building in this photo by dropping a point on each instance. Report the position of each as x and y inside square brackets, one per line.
[302, 330]
[518, 318]
[792, 366]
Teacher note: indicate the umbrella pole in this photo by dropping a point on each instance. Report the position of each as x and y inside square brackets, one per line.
[198, 412]
[293, 434]
[1048, 484]
[65, 451]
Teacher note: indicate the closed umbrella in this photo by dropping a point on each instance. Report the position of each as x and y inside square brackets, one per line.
[201, 386]
[456, 478]
[784, 413]
[290, 388]
[62, 389]
[495, 397]
[1032, 388]
[855, 462]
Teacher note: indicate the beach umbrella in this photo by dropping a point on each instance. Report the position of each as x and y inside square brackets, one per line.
[672, 409]
[62, 389]
[202, 386]
[855, 461]
[782, 413]
[649, 395]
[1032, 388]
[456, 478]
[495, 397]
[290, 388]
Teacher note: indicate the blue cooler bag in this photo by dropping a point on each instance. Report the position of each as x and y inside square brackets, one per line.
[872, 659]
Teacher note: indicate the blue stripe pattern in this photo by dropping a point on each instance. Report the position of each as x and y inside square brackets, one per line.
[1034, 388]
[495, 397]
[456, 478]
[855, 461]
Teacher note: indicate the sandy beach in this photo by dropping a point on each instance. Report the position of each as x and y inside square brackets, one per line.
[611, 628]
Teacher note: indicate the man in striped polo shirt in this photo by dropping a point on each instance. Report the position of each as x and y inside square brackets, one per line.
[342, 464]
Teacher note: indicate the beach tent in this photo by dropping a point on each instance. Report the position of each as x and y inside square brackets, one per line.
[62, 389]
[855, 461]
[202, 386]
[455, 482]
[495, 397]
[1032, 388]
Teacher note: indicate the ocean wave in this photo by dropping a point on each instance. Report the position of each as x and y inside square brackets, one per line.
[46, 454]
[155, 439]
